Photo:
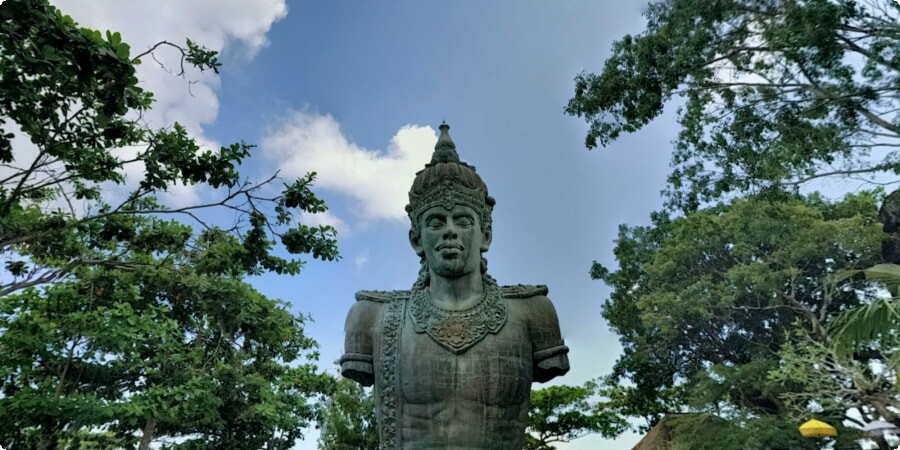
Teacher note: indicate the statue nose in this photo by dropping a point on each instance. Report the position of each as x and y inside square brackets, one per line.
[450, 230]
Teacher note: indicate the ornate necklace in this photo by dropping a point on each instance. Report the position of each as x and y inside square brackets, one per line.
[457, 331]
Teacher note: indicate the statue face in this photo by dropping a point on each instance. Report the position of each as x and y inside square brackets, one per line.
[451, 240]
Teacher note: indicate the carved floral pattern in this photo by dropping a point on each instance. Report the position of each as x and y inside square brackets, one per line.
[390, 355]
[457, 331]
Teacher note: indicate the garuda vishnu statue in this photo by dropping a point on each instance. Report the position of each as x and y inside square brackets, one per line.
[452, 359]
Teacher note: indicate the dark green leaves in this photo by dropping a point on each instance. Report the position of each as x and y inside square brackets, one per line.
[73, 93]
[724, 303]
[347, 418]
[16, 268]
[564, 413]
[776, 92]
[703, 303]
[197, 354]
[123, 319]
[201, 58]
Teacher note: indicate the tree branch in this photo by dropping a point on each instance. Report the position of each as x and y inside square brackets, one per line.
[878, 168]
[160, 44]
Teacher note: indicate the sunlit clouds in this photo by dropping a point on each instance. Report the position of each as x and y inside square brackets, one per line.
[376, 180]
[238, 26]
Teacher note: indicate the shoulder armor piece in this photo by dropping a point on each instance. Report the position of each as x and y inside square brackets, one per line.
[524, 290]
[381, 296]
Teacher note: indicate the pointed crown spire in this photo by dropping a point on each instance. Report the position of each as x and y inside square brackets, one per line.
[444, 149]
[447, 181]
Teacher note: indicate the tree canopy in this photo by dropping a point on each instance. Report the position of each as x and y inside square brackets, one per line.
[744, 299]
[179, 351]
[718, 311]
[126, 321]
[775, 92]
[347, 418]
[565, 413]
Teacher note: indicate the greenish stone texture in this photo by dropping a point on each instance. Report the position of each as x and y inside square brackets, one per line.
[452, 359]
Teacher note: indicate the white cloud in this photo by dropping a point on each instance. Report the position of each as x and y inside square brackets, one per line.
[377, 180]
[360, 261]
[219, 25]
[216, 24]
[325, 218]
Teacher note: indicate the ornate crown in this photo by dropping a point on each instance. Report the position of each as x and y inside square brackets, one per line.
[446, 181]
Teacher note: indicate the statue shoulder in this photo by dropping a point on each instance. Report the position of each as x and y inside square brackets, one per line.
[524, 291]
[381, 296]
[531, 302]
[364, 313]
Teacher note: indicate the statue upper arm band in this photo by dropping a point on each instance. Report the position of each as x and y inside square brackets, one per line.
[356, 363]
[550, 355]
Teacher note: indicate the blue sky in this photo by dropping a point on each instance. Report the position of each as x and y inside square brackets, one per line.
[356, 90]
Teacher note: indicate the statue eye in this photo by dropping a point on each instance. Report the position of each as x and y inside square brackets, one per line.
[465, 221]
[434, 222]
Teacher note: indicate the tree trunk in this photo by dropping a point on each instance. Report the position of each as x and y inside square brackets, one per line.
[49, 437]
[147, 436]
[881, 442]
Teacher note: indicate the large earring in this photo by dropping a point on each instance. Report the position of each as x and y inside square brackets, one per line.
[486, 234]
[414, 241]
[484, 275]
[424, 277]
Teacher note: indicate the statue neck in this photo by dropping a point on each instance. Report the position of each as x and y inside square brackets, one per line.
[456, 293]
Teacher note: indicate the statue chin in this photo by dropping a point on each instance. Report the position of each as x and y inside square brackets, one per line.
[453, 268]
[450, 272]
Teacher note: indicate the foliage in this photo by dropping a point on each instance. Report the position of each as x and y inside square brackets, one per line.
[874, 323]
[563, 413]
[867, 329]
[72, 92]
[776, 92]
[706, 305]
[179, 349]
[347, 418]
[755, 309]
[837, 381]
[692, 431]
[124, 321]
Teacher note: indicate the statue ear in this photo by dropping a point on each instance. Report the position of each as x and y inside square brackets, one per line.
[486, 242]
[415, 240]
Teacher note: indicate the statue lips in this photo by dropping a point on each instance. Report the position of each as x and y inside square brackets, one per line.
[449, 249]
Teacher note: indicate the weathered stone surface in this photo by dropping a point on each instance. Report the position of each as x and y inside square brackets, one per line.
[889, 216]
[452, 359]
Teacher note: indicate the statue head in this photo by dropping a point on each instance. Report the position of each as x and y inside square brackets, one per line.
[448, 193]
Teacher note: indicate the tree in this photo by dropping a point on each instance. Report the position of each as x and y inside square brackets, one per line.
[708, 305]
[692, 432]
[834, 370]
[347, 418]
[181, 351]
[876, 322]
[74, 94]
[835, 380]
[125, 321]
[776, 92]
[564, 413]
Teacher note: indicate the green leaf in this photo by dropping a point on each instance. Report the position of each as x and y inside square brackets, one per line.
[886, 273]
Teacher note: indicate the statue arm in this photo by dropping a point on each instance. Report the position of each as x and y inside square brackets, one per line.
[356, 363]
[550, 352]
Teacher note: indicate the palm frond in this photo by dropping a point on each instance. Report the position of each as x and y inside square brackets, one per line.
[865, 324]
